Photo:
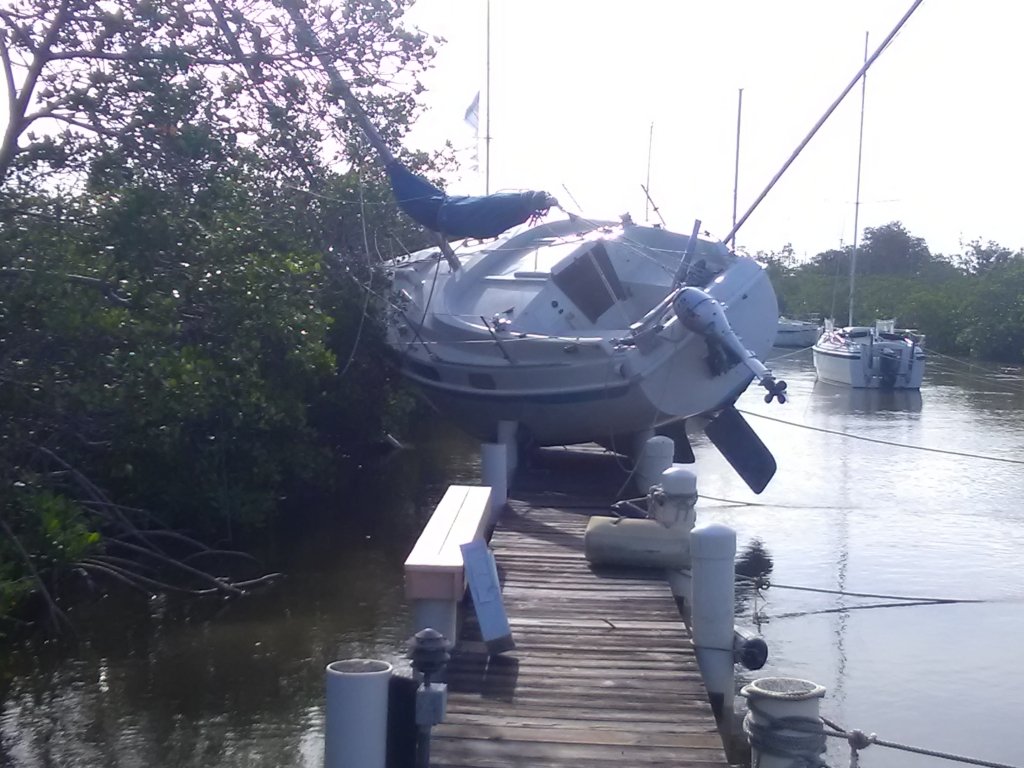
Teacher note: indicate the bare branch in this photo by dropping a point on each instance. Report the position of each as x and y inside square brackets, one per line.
[201, 575]
[109, 290]
[15, 123]
[110, 134]
[140, 582]
[12, 89]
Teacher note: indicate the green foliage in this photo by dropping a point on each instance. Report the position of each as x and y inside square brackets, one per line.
[970, 304]
[181, 327]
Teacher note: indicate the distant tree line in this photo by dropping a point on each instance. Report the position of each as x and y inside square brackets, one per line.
[186, 228]
[969, 304]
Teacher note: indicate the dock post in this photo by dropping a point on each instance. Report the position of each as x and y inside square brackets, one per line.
[494, 473]
[713, 551]
[783, 723]
[653, 456]
[672, 504]
[507, 435]
[356, 718]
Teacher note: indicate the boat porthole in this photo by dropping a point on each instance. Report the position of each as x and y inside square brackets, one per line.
[554, 303]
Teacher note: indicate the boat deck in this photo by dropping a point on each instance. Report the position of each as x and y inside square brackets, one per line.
[603, 673]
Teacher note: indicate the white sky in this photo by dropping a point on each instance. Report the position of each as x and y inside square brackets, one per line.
[576, 84]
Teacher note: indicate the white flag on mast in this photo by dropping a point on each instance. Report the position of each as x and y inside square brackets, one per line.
[472, 116]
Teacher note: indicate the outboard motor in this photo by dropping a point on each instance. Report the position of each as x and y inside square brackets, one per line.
[701, 313]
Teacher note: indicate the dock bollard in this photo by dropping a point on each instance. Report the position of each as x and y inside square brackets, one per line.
[713, 552]
[783, 723]
[356, 718]
[428, 650]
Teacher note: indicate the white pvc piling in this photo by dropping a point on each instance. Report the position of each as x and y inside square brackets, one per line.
[771, 698]
[673, 508]
[494, 473]
[507, 436]
[713, 552]
[356, 719]
[653, 457]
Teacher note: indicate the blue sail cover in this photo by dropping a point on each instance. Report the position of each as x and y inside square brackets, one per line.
[459, 216]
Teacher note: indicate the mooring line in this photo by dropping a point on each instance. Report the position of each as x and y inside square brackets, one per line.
[842, 433]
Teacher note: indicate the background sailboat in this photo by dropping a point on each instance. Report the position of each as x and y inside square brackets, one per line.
[879, 356]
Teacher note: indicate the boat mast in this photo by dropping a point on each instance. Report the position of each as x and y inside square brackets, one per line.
[736, 173]
[487, 114]
[821, 121]
[856, 203]
[650, 147]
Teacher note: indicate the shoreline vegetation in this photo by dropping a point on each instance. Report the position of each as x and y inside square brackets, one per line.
[967, 304]
[188, 230]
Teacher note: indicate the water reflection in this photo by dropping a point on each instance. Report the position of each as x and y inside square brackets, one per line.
[234, 684]
[873, 516]
[240, 684]
[831, 398]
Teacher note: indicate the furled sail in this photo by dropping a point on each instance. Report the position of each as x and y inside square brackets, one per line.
[459, 216]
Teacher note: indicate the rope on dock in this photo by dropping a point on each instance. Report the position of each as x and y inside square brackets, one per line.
[802, 739]
[859, 740]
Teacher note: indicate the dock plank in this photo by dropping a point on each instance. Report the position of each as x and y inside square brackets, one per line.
[603, 673]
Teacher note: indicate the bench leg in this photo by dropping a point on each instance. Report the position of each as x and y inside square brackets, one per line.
[441, 615]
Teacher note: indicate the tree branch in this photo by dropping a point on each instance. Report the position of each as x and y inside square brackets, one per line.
[56, 614]
[110, 134]
[15, 121]
[12, 89]
[110, 291]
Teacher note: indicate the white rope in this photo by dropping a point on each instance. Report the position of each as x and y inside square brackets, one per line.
[859, 740]
[842, 433]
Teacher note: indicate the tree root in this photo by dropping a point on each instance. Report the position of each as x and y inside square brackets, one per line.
[137, 555]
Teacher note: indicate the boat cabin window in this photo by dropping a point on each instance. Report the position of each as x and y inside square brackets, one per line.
[590, 282]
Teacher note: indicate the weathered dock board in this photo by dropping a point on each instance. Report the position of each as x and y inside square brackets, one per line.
[603, 673]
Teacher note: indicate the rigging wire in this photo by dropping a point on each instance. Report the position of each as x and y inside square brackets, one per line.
[366, 299]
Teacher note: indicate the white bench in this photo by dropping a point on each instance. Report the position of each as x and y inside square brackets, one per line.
[435, 576]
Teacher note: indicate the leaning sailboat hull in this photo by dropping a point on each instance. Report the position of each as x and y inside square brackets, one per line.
[596, 403]
[538, 329]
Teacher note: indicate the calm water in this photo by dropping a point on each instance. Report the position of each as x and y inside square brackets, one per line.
[241, 685]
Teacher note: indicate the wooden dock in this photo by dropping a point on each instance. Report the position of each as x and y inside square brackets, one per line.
[603, 673]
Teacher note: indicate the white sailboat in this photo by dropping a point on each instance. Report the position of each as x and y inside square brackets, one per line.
[868, 357]
[564, 329]
[575, 330]
[796, 334]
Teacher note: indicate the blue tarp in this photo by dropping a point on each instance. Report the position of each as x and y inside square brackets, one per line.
[462, 215]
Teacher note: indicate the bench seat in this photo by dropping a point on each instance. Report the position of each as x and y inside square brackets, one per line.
[434, 569]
